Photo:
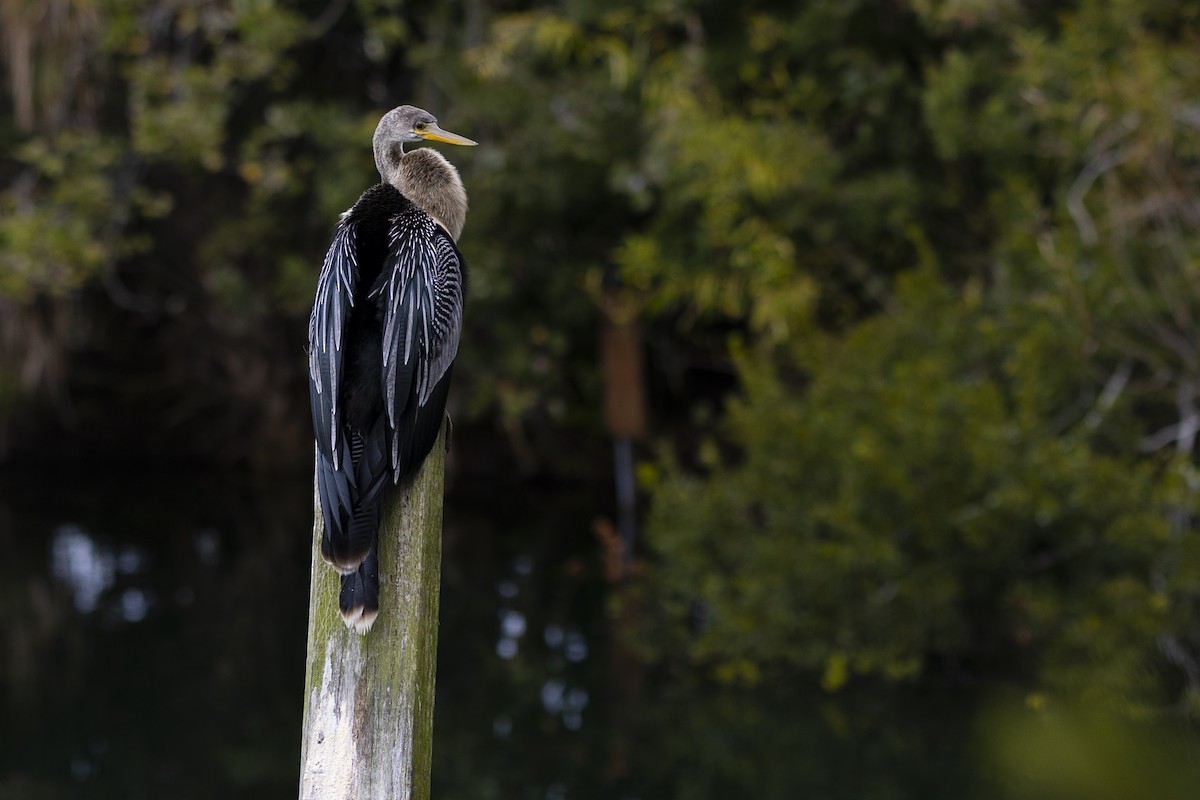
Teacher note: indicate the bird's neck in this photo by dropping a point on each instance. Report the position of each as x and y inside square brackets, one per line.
[432, 183]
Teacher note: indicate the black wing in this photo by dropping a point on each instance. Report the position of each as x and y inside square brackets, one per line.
[326, 336]
[422, 290]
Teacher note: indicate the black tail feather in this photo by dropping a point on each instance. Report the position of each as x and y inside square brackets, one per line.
[351, 497]
[419, 428]
[359, 598]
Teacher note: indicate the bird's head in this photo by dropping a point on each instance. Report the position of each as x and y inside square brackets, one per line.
[405, 124]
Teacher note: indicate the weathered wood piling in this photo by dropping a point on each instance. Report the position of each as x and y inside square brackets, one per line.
[368, 707]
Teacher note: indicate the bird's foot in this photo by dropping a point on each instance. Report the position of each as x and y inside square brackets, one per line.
[449, 431]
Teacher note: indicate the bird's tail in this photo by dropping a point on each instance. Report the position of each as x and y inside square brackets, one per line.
[350, 498]
[359, 599]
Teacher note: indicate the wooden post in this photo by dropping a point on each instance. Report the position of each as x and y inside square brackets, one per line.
[624, 407]
[621, 366]
[368, 711]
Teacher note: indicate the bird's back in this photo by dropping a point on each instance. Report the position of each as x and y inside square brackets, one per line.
[381, 341]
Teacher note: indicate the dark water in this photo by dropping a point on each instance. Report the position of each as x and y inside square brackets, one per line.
[153, 643]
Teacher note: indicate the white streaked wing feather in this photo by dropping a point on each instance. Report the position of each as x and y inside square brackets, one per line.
[423, 320]
[327, 328]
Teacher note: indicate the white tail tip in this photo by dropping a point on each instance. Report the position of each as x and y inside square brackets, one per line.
[359, 619]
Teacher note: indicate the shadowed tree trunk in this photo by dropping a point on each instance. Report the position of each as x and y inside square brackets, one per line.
[368, 707]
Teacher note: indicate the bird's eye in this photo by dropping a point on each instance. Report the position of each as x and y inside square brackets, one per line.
[419, 126]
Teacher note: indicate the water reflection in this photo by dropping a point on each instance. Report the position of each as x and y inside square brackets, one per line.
[575, 647]
[136, 660]
[208, 546]
[165, 657]
[507, 648]
[512, 628]
[78, 562]
[134, 605]
[568, 703]
[89, 569]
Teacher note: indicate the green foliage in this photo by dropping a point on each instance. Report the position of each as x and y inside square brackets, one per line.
[57, 243]
[971, 478]
[197, 164]
[957, 243]
[915, 502]
[1064, 755]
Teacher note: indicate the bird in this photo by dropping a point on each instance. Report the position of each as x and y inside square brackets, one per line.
[382, 338]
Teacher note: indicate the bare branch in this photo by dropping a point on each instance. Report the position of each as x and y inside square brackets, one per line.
[1108, 159]
[1079, 189]
[1110, 394]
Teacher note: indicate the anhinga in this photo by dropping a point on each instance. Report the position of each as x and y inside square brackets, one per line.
[382, 339]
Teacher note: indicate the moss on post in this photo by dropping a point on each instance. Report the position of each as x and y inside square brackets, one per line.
[368, 712]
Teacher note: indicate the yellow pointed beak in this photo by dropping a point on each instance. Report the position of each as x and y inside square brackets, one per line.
[434, 133]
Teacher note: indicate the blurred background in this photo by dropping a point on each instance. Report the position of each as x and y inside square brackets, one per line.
[825, 420]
